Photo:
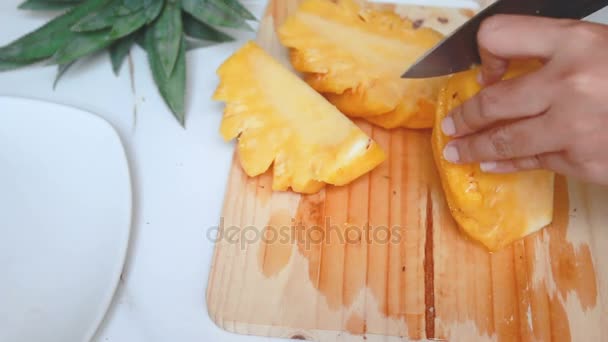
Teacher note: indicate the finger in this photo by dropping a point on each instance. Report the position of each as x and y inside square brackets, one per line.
[554, 162]
[516, 98]
[493, 67]
[514, 165]
[504, 37]
[523, 138]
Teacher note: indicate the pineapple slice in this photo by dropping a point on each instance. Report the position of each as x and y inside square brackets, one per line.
[415, 114]
[491, 208]
[277, 118]
[375, 100]
[355, 57]
[417, 107]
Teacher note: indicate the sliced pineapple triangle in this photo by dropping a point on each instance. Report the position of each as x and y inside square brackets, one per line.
[282, 122]
[355, 57]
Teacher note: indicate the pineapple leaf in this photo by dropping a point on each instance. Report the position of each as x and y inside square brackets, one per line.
[46, 40]
[130, 6]
[104, 18]
[86, 43]
[171, 88]
[199, 30]
[153, 9]
[133, 4]
[127, 25]
[240, 9]
[8, 65]
[61, 70]
[194, 44]
[73, 2]
[109, 15]
[167, 33]
[165, 29]
[214, 12]
[81, 45]
[47, 5]
[120, 49]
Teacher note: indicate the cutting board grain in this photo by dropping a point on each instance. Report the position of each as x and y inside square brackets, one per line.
[382, 259]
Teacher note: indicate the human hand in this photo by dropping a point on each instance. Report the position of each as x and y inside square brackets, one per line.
[555, 118]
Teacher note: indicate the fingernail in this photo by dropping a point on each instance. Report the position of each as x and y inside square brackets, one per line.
[450, 153]
[488, 166]
[480, 78]
[448, 127]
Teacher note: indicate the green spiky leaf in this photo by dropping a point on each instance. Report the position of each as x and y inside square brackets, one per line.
[108, 16]
[8, 65]
[153, 9]
[127, 25]
[173, 87]
[61, 70]
[167, 33]
[82, 45]
[195, 29]
[119, 51]
[101, 19]
[130, 6]
[215, 12]
[236, 6]
[45, 41]
[48, 5]
[166, 29]
[86, 43]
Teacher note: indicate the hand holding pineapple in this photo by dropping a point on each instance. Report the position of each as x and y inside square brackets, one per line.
[349, 59]
[553, 118]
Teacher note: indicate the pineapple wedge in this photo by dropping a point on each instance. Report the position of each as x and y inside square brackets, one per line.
[281, 121]
[494, 209]
[417, 107]
[355, 57]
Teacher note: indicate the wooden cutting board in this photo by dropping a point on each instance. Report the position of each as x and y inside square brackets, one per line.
[382, 259]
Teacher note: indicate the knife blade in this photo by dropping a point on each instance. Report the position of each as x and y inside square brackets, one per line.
[459, 51]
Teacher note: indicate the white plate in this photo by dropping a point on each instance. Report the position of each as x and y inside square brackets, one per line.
[65, 216]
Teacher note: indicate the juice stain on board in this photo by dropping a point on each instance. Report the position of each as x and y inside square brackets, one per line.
[349, 249]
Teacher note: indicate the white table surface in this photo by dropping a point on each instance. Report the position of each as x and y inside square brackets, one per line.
[179, 177]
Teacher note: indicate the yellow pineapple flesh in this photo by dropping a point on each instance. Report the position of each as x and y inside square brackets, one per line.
[282, 122]
[494, 209]
[355, 56]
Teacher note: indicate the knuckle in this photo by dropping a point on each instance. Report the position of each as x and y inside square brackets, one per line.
[585, 33]
[489, 28]
[580, 82]
[537, 162]
[487, 101]
[500, 142]
[467, 150]
[578, 128]
[528, 163]
[591, 169]
[543, 161]
[586, 167]
[466, 123]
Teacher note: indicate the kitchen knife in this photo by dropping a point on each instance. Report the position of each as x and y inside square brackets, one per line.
[459, 51]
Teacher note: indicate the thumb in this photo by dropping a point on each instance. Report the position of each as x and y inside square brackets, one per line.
[505, 37]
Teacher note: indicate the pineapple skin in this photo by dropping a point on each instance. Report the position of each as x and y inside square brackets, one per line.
[493, 209]
[280, 121]
[355, 58]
